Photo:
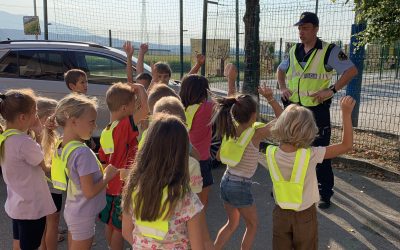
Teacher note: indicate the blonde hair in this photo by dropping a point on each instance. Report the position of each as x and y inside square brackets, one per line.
[170, 105]
[71, 106]
[46, 108]
[295, 126]
[119, 94]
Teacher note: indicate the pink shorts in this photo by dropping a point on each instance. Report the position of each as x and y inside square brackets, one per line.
[81, 228]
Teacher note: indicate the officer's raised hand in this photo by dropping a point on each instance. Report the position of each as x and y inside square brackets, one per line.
[322, 95]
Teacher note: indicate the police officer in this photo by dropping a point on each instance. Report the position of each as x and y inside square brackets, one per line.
[304, 78]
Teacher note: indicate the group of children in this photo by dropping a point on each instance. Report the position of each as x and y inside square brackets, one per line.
[151, 178]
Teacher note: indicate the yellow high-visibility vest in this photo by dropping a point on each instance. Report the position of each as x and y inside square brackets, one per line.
[190, 111]
[232, 149]
[8, 133]
[141, 142]
[289, 194]
[59, 170]
[157, 229]
[106, 138]
[303, 82]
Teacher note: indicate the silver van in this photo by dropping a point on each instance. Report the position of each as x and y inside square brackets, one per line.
[40, 65]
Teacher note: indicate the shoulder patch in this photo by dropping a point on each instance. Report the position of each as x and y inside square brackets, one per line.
[342, 56]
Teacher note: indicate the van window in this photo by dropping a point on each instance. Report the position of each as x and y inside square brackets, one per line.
[9, 65]
[44, 65]
[101, 69]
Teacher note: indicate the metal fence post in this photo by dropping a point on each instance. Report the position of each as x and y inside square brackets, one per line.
[46, 22]
[237, 46]
[109, 38]
[204, 36]
[181, 35]
[357, 57]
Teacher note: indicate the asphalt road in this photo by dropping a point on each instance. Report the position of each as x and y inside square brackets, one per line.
[365, 214]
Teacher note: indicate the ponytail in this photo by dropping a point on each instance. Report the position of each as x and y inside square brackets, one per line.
[232, 111]
[49, 143]
[222, 117]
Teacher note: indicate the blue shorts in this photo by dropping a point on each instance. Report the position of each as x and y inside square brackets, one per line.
[205, 168]
[236, 193]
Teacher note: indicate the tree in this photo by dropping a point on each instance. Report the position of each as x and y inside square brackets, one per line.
[251, 21]
[382, 18]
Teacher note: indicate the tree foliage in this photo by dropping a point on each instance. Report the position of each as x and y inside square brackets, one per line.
[382, 18]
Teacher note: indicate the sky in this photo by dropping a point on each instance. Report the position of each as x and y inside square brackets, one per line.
[161, 22]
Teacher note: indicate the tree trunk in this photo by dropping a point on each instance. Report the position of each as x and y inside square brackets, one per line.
[251, 21]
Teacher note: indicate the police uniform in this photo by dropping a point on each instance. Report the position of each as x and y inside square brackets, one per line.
[333, 59]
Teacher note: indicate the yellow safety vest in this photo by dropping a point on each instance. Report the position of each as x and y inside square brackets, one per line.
[106, 138]
[8, 133]
[304, 82]
[232, 149]
[190, 111]
[59, 170]
[288, 194]
[141, 142]
[157, 229]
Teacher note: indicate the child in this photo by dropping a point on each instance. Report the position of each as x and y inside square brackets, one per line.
[155, 94]
[118, 147]
[46, 108]
[159, 210]
[295, 215]
[28, 196]
[76, 81]
[173, 106]
[198, 110]
[76, 114]
[144, 79]
[235, 120]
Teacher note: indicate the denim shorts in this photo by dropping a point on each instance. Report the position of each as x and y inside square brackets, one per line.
[236, 193]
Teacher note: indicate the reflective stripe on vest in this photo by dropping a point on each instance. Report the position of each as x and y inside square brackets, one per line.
[8, 133]
[304, 82]
[232, 149]
[157, 229]
[106, 138]
[289, 194]
[190, 111]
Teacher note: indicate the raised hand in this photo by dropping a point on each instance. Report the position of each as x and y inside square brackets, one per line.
[200, 59]
[230, 72]
[347, 104]
[128, 48]
[266, 92]
[144, 47]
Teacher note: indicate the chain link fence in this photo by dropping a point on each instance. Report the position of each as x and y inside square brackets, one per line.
[158, 23]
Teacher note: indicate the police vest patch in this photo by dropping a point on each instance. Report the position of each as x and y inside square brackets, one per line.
[342, 56]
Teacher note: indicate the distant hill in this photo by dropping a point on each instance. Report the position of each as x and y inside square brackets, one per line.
[11, 27]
